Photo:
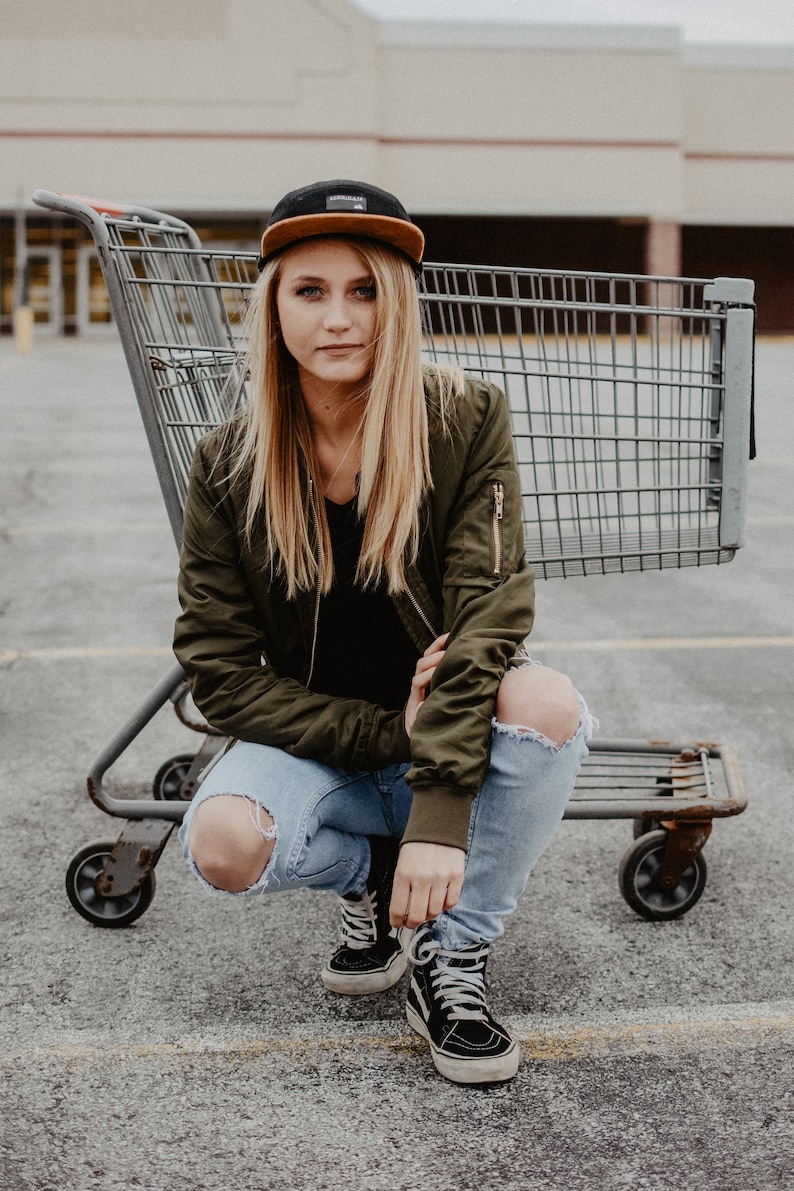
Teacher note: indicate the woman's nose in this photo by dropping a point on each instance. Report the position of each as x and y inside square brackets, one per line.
[337, 315]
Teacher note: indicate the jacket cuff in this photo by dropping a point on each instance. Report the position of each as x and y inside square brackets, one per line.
[392, 745]
[439, 815]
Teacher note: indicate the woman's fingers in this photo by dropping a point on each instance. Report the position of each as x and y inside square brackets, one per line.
[436, 646]
[422, 678]
[431, 657]
[425, 669]
[428, 879]
[400, 901]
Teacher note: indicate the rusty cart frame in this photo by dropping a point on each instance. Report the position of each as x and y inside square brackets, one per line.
[631, 406]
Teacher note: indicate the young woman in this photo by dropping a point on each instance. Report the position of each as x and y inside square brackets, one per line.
[355, 598]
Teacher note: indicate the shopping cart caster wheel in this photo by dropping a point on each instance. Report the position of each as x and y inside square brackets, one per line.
[639, 880]
[645, 827]
[95, 907]
[167, 784]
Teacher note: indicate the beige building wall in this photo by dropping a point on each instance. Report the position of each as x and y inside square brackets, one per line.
[739, 136]
[222, 105]
[613, 147]
[531, 121]
[206, 104]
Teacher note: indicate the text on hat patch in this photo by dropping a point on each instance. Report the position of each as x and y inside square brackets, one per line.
[345, 202]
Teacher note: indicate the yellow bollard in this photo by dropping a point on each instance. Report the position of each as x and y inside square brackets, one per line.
[23, 329]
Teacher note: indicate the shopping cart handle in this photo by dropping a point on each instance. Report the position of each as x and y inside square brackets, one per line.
[87, 210]
[49, 198]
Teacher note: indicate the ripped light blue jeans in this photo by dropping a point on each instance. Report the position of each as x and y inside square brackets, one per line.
[324, 815]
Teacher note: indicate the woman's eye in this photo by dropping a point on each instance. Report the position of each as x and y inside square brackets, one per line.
[367, 292]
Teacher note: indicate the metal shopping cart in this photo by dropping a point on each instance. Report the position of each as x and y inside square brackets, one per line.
[631, 403]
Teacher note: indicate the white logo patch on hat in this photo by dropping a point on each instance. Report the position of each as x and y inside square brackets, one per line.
[345, 202]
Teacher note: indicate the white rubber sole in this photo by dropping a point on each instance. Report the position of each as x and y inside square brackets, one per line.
[359, 984]
[492, 1070]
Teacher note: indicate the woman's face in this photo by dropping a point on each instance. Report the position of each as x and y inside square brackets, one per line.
[326, 307]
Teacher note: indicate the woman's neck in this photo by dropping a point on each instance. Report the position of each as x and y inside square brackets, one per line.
[336, 420]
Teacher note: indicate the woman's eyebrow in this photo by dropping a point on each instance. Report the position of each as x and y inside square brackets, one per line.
[312, 279]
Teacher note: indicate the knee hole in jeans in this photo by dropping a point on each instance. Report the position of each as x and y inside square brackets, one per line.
[537, 699]
[232, 839]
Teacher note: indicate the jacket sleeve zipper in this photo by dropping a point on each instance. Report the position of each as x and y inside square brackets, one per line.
[498, 490]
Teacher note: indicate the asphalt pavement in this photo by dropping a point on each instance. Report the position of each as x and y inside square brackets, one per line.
[196, 1050]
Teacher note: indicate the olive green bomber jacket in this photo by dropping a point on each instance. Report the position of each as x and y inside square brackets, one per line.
[246, 650]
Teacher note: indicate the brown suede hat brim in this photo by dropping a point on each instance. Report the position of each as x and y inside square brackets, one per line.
[399, 233]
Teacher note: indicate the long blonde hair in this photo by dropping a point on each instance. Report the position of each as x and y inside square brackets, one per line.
[275, 450]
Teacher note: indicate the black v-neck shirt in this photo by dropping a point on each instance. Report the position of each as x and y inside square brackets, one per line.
[363, 650]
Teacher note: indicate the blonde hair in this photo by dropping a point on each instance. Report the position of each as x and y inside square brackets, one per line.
[276, 452]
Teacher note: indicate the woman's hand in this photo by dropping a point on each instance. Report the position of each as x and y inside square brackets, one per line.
[425, 669]
[428, 879]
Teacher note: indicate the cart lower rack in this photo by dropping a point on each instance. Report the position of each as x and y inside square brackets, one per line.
[631, 405]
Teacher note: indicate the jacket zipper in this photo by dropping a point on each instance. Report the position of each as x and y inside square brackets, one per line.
[418, 608]
[498, 490]
[318, 594]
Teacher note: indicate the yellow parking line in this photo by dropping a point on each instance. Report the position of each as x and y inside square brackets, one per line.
[564, 1044]
[122, 651]
[81, 527]
[603, 646]
[667, 643]
[587, 1042]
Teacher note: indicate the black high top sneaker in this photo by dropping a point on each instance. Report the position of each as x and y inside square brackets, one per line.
[372, 956]
[446, 1005]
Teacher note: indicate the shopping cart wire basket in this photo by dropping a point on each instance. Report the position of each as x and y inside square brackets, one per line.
[631, 407]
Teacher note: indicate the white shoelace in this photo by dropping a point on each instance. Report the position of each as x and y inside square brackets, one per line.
[359, 928]
[459, 989]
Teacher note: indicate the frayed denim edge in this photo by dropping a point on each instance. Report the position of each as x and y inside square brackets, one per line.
[588, 726]
[266, 833]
